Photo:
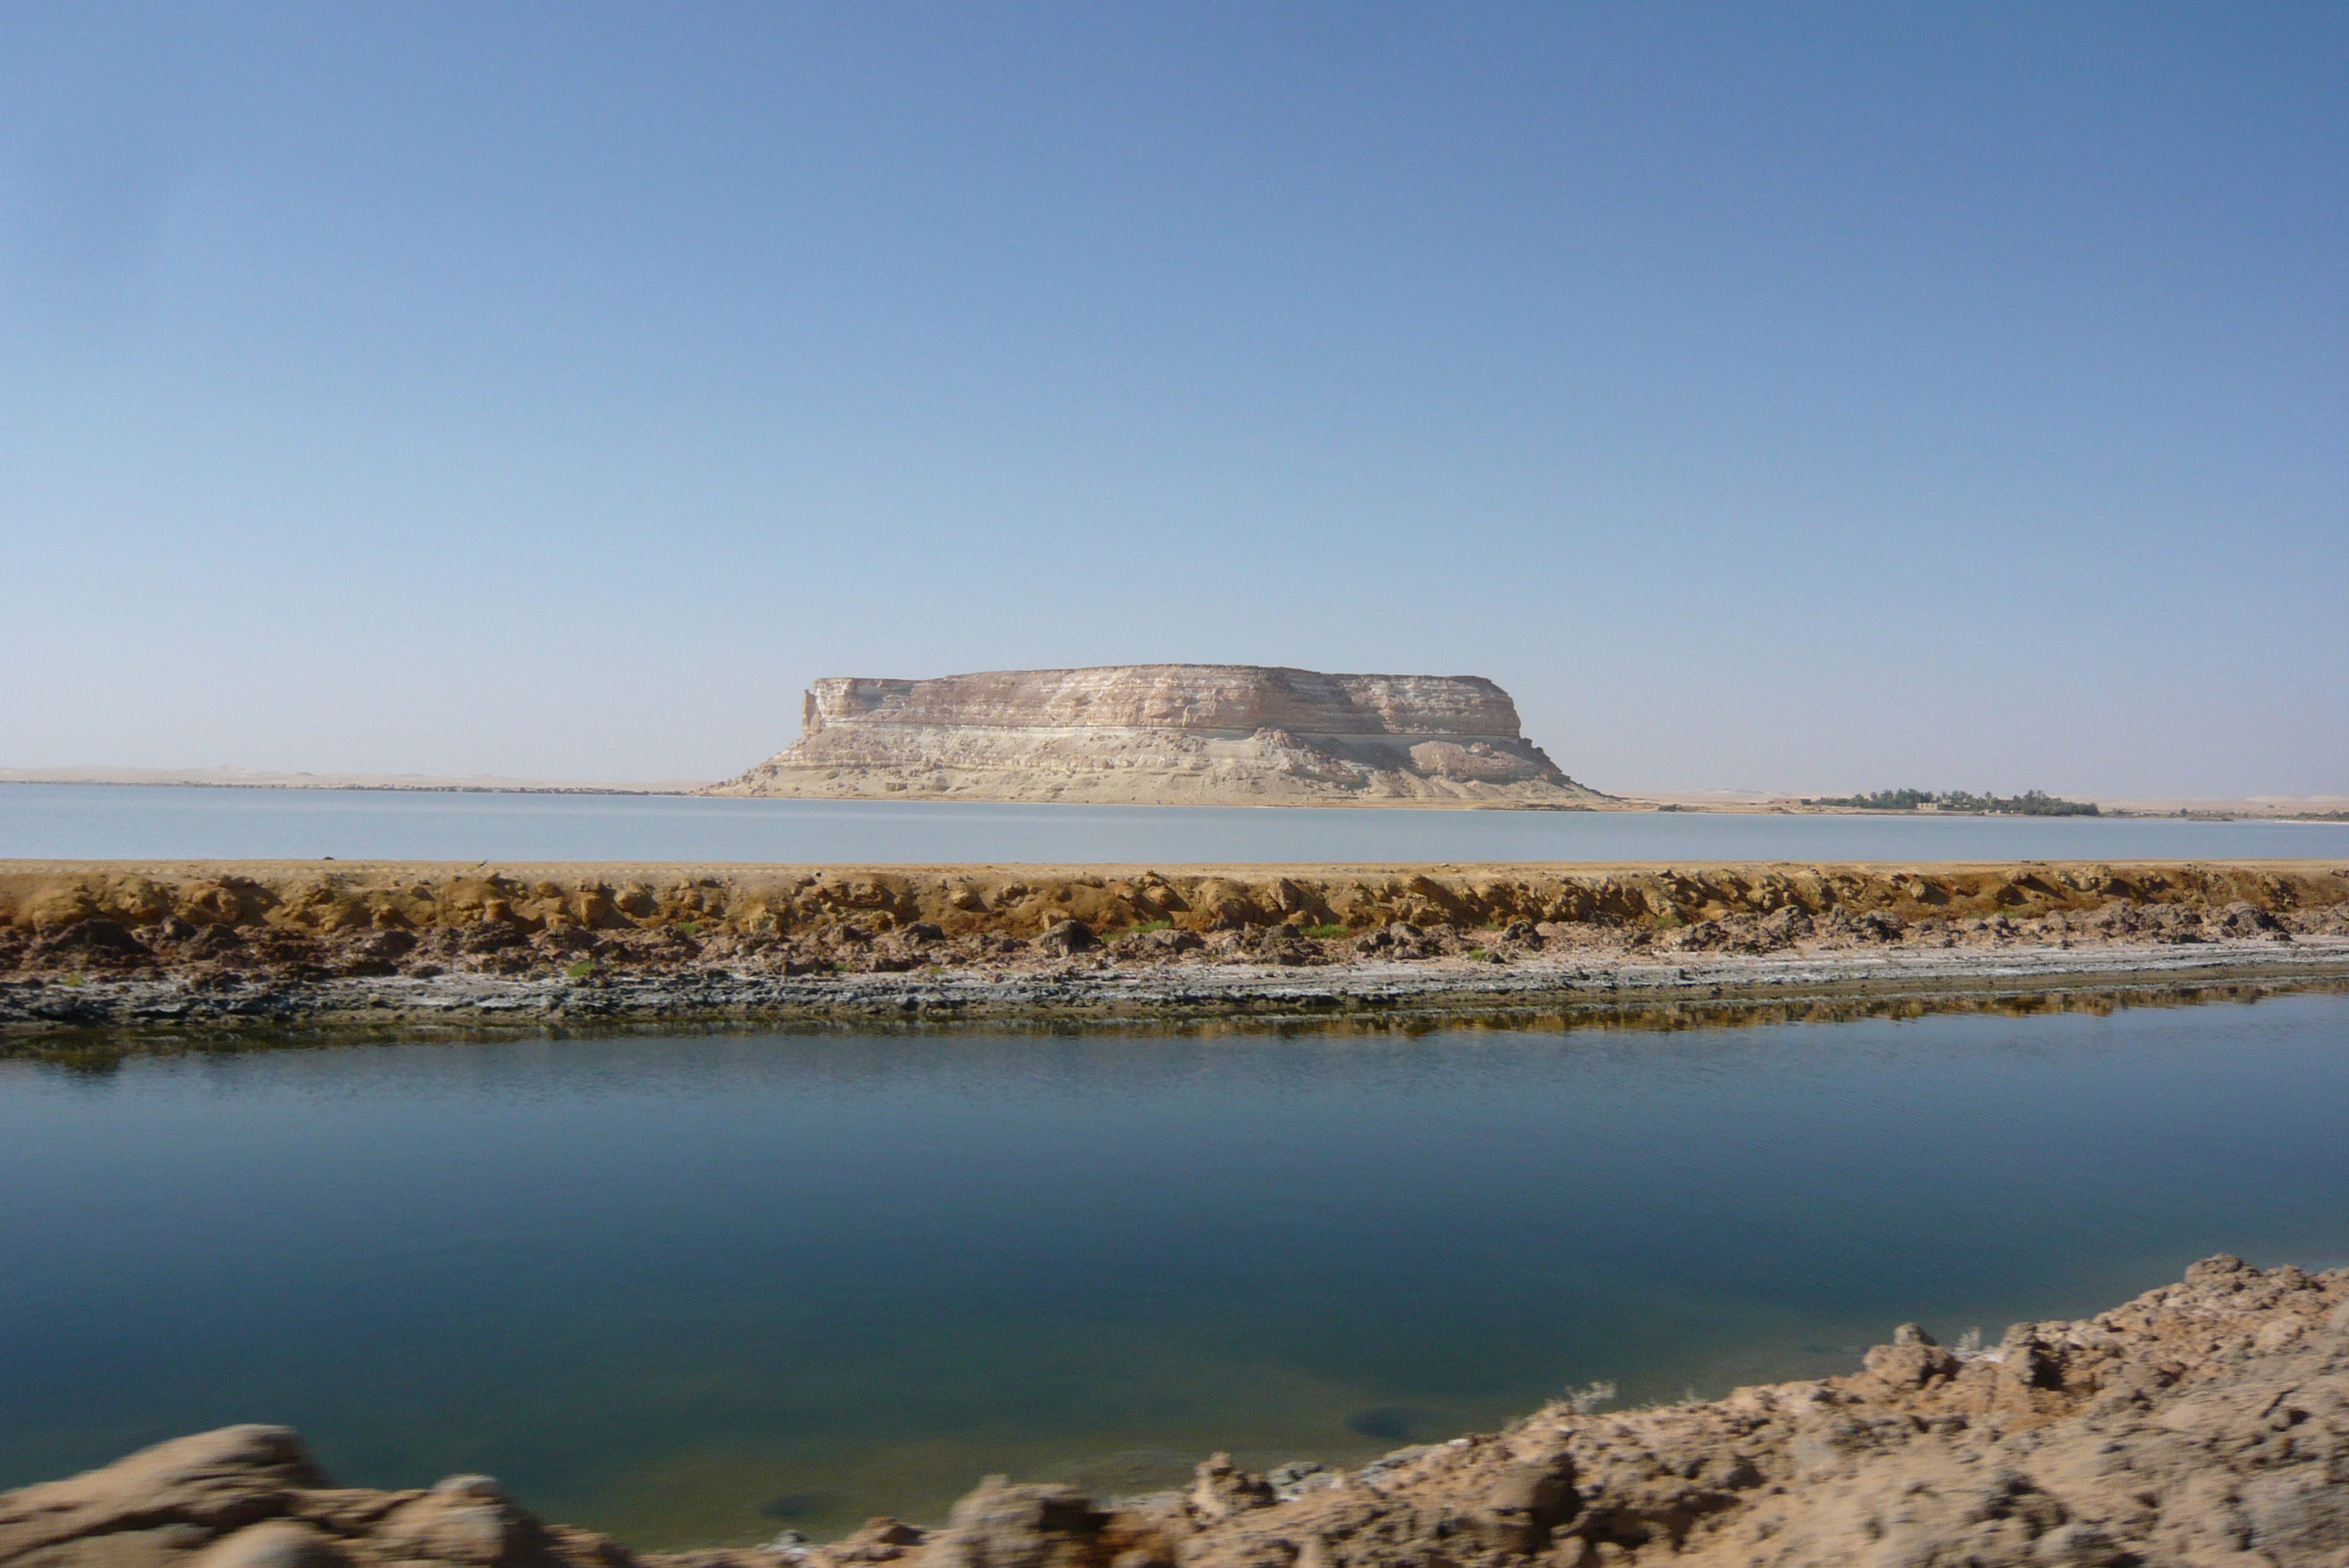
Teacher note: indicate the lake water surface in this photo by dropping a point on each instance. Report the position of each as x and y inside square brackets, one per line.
[705, 1288]
[139, 822]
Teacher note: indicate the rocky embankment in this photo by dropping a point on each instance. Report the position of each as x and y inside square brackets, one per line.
[1195, 734]
[105, 944]
[2203, 1423]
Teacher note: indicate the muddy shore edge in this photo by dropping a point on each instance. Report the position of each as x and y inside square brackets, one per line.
[227, 946]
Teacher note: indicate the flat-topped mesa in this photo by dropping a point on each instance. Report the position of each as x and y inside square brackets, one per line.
[1198, 734]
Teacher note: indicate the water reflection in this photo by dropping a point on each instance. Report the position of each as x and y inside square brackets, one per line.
[697, 1287]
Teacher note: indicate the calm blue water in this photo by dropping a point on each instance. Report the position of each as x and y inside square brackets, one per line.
[129, 822]
[696, 1289]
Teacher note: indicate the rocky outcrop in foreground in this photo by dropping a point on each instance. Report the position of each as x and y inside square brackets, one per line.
[2203, 1423]
[1194, 734]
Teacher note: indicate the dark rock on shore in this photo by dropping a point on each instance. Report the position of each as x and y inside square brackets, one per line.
[1068, 937]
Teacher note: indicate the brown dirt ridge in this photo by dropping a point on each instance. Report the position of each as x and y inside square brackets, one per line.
[40, 899]
[98, 944]
[2204, 1423]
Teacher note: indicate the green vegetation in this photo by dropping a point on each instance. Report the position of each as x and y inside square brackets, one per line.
[581, 969]
[1325, 933]
[1143, 929]
[2030, 803]
[687, 927]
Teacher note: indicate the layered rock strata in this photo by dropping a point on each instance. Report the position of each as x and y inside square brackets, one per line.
[1198, 734]
[2203, 1423]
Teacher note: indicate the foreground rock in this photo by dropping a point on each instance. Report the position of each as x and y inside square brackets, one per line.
[107, 946]
[2203, 1423]
[1195, 734]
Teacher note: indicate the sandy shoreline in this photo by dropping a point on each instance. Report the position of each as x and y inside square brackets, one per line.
[1745, 803]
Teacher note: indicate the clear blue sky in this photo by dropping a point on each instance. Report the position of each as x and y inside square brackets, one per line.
[1800, 398]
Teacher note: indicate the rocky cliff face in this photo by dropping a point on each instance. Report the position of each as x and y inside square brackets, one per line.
[1166, 733]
